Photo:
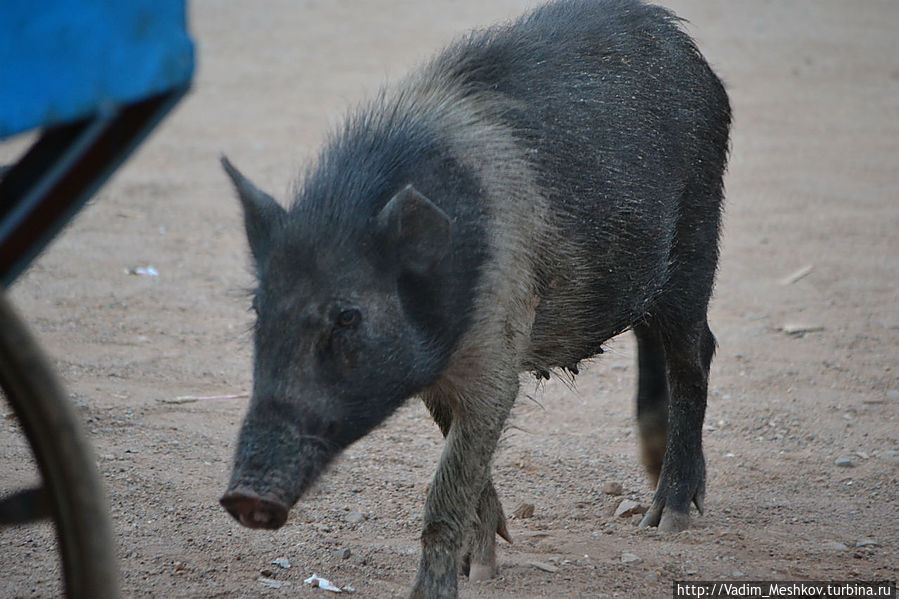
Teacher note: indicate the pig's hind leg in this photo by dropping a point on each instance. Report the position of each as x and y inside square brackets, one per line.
[679, 315]
[682, 477]
[680, 318]
[652, 399]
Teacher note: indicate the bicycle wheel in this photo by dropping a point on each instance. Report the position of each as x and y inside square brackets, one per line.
[72, 494]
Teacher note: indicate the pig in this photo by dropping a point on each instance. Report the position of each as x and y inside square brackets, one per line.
[531, 192]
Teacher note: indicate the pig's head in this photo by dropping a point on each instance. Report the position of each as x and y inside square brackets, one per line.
[345, 332]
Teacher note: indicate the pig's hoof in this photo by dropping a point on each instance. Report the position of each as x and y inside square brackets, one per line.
[652, 517]
[667, 520]
[254, 511]
[670, 508]
[481, 572]
[674, 521]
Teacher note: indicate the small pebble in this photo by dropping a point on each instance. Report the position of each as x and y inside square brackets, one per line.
[356, 517]
[544, 567]
[342, 553]
[630, 558]
[283, 562]
[867, 543]
[893, 395]
[612, 489]
[835, 545]
[525, 510]
[844, 462]
[268, 582]
[629, 508]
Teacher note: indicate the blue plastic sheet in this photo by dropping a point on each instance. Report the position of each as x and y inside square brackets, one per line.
[64, 60]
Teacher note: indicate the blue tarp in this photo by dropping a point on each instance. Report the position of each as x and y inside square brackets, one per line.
[64, 60]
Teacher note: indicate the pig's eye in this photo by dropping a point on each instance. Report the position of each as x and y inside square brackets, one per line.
[348, 318]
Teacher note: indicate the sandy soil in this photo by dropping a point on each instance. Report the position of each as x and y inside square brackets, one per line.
[814, 181]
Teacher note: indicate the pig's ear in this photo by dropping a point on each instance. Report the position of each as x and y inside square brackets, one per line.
[416, 230]
[261, 212]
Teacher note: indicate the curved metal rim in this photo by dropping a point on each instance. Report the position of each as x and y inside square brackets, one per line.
[64, 458]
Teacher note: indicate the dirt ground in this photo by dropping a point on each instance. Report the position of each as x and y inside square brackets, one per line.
[813, 182]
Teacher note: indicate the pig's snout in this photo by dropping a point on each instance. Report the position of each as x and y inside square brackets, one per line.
[254, 511]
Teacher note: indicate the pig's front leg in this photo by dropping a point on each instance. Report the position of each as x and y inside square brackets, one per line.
[479, 412]
[479, 550]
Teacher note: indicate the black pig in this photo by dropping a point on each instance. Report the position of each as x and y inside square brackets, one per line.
[533, 191]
